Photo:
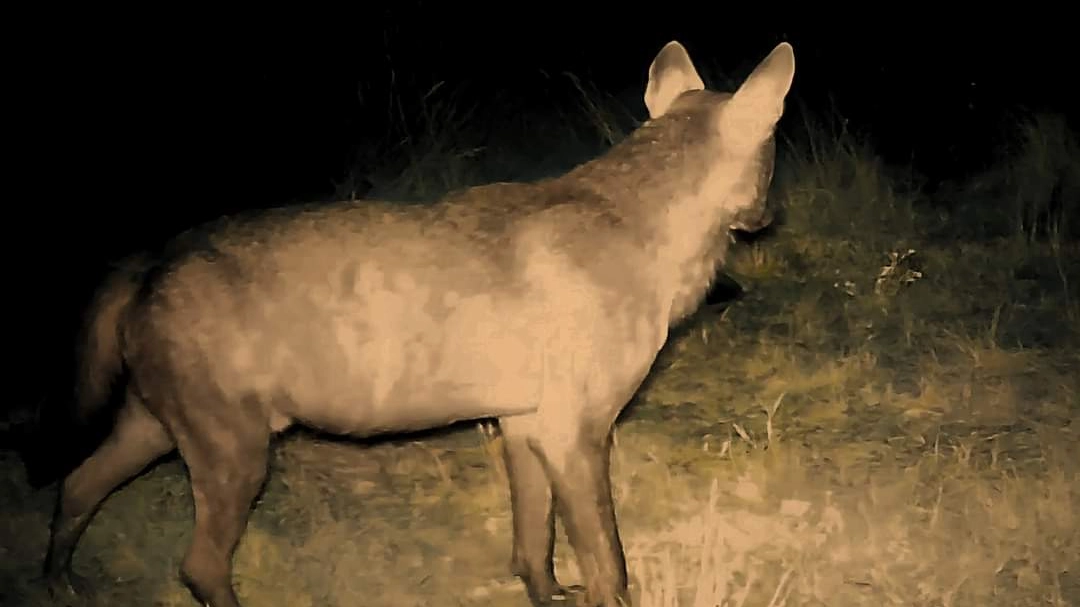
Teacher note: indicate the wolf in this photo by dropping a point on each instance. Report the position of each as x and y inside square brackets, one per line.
[542, 305]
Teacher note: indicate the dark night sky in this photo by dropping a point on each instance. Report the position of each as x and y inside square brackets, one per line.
[264, 115]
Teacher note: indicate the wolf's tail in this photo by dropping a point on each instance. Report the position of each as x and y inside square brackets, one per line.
[100, 357]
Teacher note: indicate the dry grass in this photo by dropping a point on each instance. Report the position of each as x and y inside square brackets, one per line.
[887, 417]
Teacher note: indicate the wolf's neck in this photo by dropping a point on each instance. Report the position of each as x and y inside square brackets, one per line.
[692, 246]
[670, 189]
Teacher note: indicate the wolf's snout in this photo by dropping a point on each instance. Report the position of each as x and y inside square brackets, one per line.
[751, 222]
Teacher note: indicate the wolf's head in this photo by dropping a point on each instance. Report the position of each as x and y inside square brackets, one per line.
[737, 128]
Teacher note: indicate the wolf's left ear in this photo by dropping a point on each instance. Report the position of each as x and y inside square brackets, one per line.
[757, 106]
[670, 75]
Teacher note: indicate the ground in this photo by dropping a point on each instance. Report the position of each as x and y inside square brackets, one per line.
[887, 415]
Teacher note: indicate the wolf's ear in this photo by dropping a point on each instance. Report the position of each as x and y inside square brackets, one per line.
[755, 108]
[670, 75]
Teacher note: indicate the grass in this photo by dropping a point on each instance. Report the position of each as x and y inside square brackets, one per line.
[888, 416]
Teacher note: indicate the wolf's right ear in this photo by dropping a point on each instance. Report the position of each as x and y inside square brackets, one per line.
[756, 107]
[670, 75]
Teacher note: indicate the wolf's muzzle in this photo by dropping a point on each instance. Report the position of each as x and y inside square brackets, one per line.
[748, 222]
